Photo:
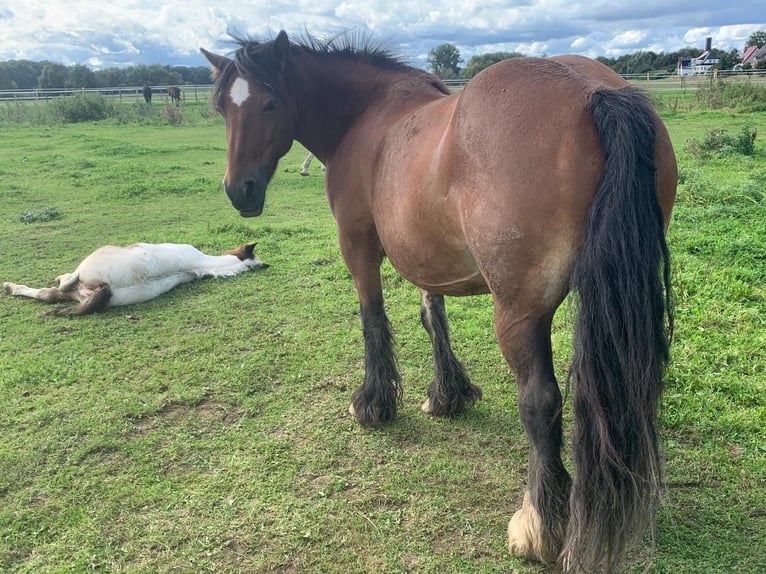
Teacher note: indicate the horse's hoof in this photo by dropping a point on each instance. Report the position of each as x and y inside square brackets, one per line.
[8, 288]
[304, 173]
[426, 407]
[525, 533]
[351, 410]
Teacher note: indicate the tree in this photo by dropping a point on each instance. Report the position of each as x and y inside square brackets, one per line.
[756, 39]
[24, 73]
[80, 76]
[727, 60]
[477, 63]
[444, 61]
[110, 77]
[52, 75]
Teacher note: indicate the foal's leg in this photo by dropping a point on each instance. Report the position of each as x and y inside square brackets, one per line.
[47, 295]
[451, 391]
[306, 163]
[537, 530]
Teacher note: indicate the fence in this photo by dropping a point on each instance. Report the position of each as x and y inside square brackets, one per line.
[201, 93]
[189, 93]
[671, 81]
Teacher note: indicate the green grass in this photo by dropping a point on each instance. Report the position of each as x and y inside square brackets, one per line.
[207, 430]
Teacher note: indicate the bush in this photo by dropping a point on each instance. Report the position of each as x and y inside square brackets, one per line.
[719, 142]
[83, 108]
[733, 94]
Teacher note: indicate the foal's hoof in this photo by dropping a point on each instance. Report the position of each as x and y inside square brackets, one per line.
[8, 288]
[525, 537]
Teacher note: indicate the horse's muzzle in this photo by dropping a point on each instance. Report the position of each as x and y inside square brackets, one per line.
[248, 195]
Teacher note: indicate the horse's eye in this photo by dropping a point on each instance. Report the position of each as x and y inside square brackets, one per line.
[269, 107]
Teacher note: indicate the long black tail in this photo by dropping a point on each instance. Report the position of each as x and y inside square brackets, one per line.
[621, 342]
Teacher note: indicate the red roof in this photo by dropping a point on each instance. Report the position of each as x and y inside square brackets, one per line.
[749, 52]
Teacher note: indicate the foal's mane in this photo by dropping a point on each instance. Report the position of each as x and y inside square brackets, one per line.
[249, 60]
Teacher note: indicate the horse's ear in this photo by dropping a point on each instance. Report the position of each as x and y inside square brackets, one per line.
[280, 48]
[217, 63]
[243, 253]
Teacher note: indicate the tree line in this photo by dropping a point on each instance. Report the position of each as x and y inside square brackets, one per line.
[26, 75]
[445, 60]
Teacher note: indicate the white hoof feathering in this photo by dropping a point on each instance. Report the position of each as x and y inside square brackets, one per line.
[525, 532]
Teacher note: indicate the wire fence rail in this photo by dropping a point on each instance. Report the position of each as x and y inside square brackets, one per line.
[202, 92]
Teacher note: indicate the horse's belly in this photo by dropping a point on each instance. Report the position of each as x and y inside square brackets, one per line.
[140, 292]
[437, 267]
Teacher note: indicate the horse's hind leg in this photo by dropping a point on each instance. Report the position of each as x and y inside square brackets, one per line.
[47, 295]
[537, 530]
[451, 391]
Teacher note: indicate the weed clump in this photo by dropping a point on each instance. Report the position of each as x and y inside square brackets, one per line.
[718, 141]
[39, 216]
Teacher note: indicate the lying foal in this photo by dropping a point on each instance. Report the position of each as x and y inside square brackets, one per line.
[112, 276]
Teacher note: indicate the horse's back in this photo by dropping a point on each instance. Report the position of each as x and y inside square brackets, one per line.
[138, 264]
[556, 91]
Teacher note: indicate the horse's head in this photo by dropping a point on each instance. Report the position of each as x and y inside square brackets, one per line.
[251, 95]
[247, 254]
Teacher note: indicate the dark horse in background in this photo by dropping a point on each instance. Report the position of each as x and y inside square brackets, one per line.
[542, 176]
[147, 91]
[175, 95]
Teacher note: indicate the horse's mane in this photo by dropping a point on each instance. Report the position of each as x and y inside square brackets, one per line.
[348, 46]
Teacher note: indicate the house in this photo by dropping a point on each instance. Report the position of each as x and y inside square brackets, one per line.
[753, 55]
[702, 64]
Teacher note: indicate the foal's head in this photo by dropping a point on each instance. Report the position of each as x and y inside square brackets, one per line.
[251, 95]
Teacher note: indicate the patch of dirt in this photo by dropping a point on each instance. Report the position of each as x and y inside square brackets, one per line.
[206, 410]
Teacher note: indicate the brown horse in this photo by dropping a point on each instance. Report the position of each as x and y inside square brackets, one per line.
[175, 95]
[540, 177]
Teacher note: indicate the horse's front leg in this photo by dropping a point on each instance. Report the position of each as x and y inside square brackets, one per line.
[375, 401]
[451, 391]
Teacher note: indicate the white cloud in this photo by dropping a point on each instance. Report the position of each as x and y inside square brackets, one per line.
[116, 32]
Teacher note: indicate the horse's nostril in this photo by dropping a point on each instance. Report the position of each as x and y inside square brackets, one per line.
[249, 186]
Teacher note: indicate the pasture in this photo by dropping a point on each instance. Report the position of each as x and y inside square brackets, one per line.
[207, 430]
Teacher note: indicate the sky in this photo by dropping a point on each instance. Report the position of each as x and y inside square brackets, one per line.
[118, 33]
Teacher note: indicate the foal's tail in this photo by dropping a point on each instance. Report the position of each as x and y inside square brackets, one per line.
[97, 301]
[621, 342]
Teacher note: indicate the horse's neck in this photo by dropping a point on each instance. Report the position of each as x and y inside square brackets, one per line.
[330, 98]
[204, 265]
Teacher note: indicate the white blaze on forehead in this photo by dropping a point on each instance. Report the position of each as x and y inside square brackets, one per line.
[239, 92]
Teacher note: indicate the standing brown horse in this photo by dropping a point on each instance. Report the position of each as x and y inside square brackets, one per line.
[540, 177]
[175, 95]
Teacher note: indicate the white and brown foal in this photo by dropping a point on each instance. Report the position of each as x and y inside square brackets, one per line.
[112, 276]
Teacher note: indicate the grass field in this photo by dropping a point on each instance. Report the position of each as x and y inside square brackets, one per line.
[207, 430]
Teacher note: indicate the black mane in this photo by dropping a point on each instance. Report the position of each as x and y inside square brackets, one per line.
[249, 60]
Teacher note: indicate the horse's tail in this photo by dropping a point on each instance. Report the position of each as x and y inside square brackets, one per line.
[621, 342]
[97, 301]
